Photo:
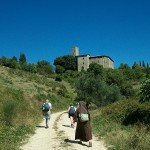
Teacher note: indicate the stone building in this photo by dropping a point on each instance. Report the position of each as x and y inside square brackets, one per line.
[83, 61]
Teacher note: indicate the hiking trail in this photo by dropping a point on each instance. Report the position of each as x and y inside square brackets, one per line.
[59, 136]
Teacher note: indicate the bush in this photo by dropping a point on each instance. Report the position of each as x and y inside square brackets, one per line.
[9, 110]
[128, 112]
[58, 78]
[145, 91]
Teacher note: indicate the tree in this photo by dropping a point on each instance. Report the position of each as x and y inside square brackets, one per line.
[30, 68]
[143, 64]
[13, 62]
[96, 69]
[124, 66]
[92, 89]
[145, 91]
[4, 61]
[147, 65]
[115, 77]
[22, 59]
[135, 65]
[44, 68]
[68, 62]
[59, 69]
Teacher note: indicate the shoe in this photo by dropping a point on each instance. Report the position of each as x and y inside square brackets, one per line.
[90, 144]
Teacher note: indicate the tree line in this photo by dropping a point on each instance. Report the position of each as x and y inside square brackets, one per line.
[98, 85]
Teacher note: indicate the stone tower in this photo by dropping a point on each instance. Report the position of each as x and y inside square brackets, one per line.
[74, 51]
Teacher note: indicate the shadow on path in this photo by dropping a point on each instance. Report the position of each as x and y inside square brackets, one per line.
[40, 126]
[73, 141]
[66, 125]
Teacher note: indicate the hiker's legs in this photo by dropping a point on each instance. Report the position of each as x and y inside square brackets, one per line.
[47, 122]
[72, 121]
[47, 119]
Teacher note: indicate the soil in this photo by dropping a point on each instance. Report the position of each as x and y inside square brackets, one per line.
[59, 136]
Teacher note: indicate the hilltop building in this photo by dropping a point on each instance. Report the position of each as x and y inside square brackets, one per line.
[83, 61]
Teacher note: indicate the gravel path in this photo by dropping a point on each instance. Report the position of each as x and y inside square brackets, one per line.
[59, 136]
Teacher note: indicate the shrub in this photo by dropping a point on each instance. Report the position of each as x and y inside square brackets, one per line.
[58, 78]
[145, 91]
[9, 110]
[128, 112]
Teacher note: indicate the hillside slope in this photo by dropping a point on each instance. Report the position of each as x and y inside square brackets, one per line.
[21, 96]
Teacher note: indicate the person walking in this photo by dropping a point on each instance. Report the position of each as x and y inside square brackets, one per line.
[46, 108]
[83, 130]
[71, 112]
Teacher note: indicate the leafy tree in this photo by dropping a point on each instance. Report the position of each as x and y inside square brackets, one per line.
[124, 66]
[127, 90]
[127, 71]
[96, 69]
[92, 89]
[135, 65]
[44, 68]
[4, 61]
[147, 65]
[13, 62]
[115, 77]
[143, 64]
[14, 58]
[145, 91]
[68, 62]
[22, 59]
[59, 69]
[30, 68]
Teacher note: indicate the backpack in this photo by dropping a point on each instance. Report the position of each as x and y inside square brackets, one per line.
[45, 107]
[83, 117]
[72, 110]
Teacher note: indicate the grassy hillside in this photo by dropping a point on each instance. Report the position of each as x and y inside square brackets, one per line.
[21, 96]
[123, 125]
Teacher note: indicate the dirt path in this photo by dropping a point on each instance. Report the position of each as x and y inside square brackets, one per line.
[59, 136]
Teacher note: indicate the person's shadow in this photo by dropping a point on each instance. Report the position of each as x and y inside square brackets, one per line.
[74, 142]
[66, 125]
[40, 126]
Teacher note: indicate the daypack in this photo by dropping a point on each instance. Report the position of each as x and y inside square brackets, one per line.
[83, 117]
[45, 107]
[72, 110]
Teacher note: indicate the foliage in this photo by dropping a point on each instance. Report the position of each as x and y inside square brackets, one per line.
[145, 91]
[127, 121]
[128, 112]
[68, 62]
[29, 67]
[44, 68]
[92, 89]
[21, 96]
[114, 77]
[9, 112]
[121, 78]
[96, 69]
[127, 90]
[59, 69]
[22, 59]
[58, 78]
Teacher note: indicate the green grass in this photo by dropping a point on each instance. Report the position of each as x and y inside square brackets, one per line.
[108, 125]
[21, 97]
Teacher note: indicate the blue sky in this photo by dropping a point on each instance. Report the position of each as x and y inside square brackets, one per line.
[46, 29]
